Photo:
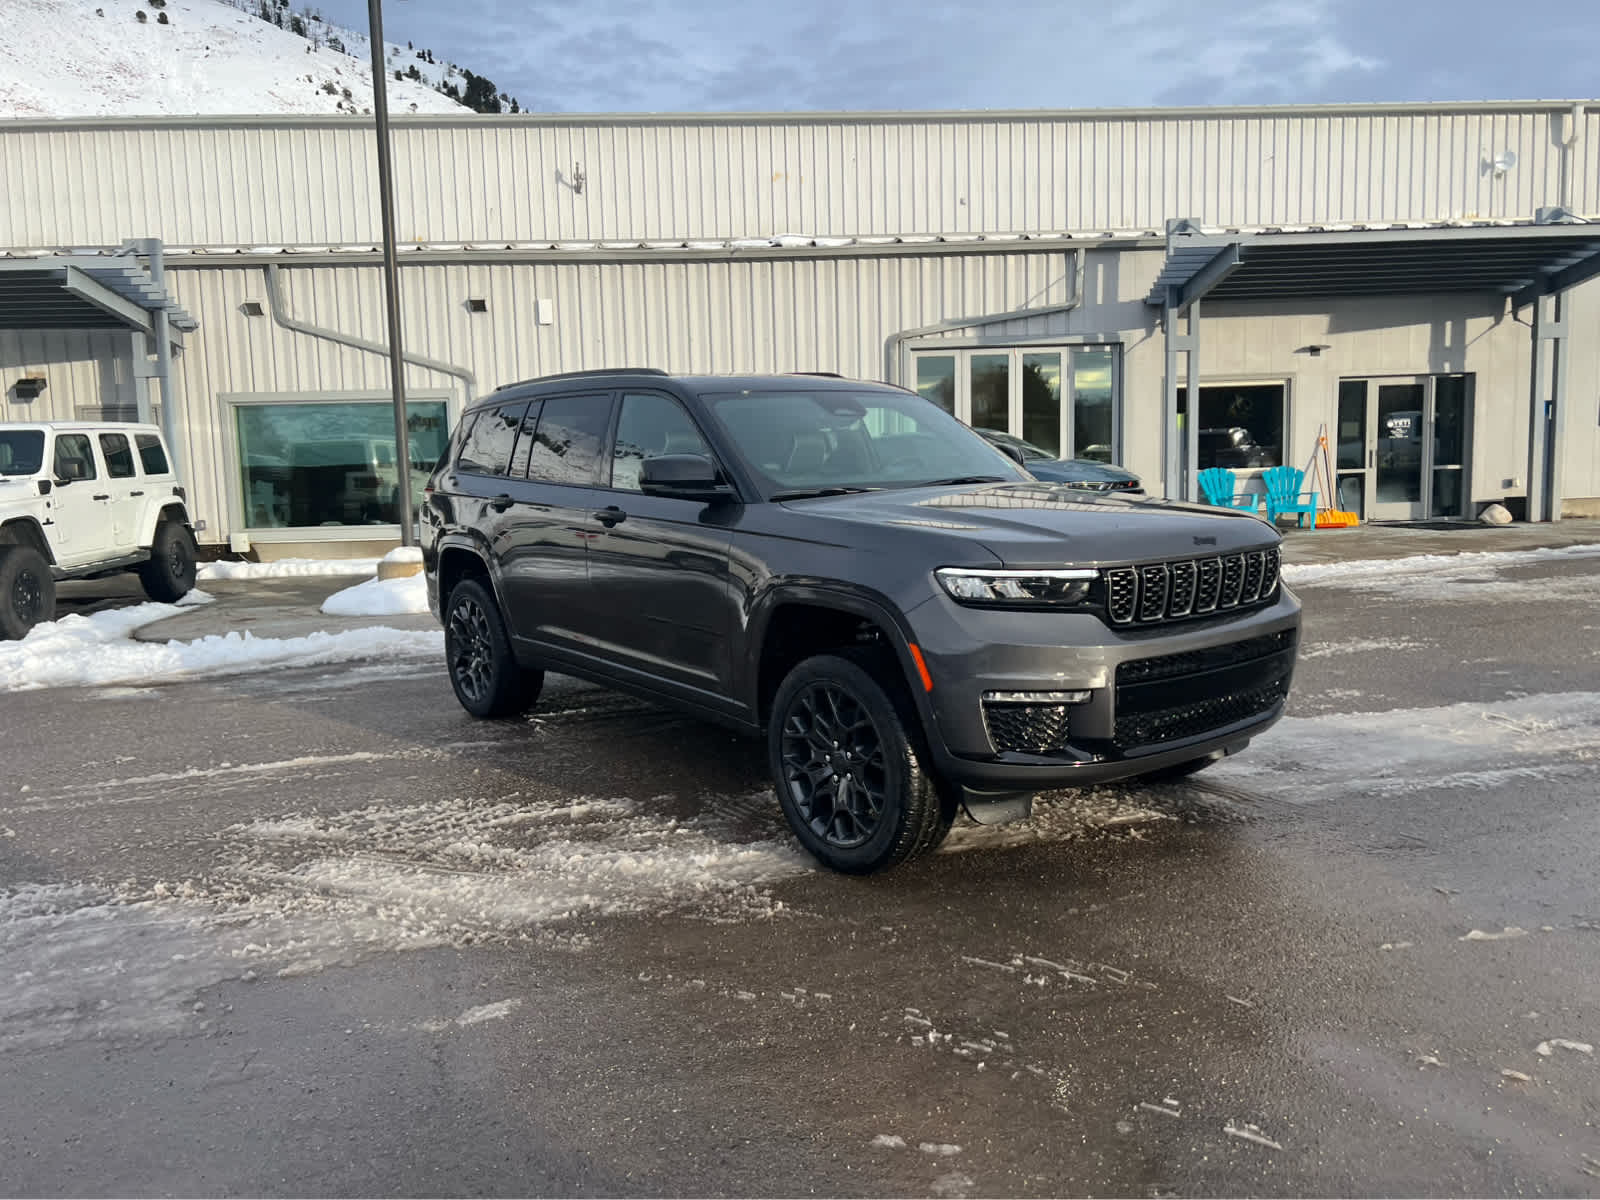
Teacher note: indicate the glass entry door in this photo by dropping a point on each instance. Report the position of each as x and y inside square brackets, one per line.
[1400, 446]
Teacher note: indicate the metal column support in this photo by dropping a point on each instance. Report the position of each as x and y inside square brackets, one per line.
[161, 335]
[1182, 449]
[1547, 405]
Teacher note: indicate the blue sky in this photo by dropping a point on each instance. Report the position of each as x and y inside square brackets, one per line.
[723, 55]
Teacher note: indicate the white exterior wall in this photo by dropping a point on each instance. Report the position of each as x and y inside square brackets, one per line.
[228, 182]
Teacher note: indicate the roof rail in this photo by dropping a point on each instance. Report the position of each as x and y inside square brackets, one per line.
[820, 374]
[584, 375]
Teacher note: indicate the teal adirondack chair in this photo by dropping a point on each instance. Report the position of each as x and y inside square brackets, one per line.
[1217, 484]
[1284, 496]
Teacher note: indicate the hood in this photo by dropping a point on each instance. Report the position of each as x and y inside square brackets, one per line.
[1078, 470]
[1042, 524]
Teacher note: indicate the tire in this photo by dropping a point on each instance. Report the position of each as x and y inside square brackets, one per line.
[27, 591]
[888, 809]
[169, 575]
[484, 673]
[1177, 771]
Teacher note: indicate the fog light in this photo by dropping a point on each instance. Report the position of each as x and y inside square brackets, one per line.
[1036, 697]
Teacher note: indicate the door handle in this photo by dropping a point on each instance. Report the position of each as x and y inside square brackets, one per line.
[609, 516]
[133, 494]
[501, 502]
[1370, 455]
[102, 496]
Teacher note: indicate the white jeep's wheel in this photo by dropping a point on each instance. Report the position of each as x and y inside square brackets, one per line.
[170, 573]
[27, 591]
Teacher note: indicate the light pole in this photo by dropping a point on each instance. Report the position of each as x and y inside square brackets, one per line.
[391, 274]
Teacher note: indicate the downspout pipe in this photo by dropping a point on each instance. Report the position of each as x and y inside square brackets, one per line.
[1568, 141]
[894, 346]
[281, 318]
[161, 335]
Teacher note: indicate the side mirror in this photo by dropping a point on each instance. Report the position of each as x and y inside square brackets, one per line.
[683, 477]
[69, 469]
[1011, 452]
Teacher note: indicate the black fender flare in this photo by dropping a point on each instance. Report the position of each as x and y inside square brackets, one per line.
[33, 535]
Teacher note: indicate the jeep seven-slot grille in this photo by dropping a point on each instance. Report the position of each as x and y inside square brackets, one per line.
[1168, 591]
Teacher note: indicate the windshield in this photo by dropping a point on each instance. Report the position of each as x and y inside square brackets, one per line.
[21, 451]
[819, 441]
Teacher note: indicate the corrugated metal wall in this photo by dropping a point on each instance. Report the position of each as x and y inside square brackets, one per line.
[247, 182]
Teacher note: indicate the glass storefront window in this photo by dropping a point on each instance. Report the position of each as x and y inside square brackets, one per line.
[1241, 425]
[936, 380]
[1041, 401]
[991, 391]
[332, 463]
[1093, 424]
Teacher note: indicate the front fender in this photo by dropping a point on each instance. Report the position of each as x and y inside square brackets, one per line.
[170, 509]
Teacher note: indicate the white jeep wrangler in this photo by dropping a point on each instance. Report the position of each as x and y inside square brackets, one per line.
[82, 499]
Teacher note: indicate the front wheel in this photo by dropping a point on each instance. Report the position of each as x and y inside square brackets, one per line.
[27, 591]
[170, 574]
[484, 673]
[845, 766]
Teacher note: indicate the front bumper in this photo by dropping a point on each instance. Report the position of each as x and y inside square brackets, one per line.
[1186, 689]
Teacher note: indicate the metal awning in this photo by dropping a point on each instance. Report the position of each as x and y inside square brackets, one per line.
[1524, 261]
[84, 291]
[1530, 263]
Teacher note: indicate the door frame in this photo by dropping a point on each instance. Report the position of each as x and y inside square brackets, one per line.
[1423, 508]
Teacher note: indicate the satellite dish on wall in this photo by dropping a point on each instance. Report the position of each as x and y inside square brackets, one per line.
[1504, 161]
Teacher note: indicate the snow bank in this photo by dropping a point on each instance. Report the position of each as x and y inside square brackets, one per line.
[287, 568]
[404, 554]
[1376, 571]
[79, 651]
[380, 598]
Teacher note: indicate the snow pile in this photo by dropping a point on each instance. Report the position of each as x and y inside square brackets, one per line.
[380, 598]
[287, 568]
[69, 60]
[1377, 572]
[404, 554]
[81, 651]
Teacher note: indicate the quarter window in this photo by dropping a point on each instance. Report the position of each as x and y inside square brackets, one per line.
[566, 448]
[74, 457]
[151, 455]
[118, 454]
[650, 425]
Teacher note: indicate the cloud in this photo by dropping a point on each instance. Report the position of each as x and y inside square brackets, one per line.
[728, 55]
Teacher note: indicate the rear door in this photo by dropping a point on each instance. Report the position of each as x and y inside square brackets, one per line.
[80, 507]
[125, 488]
[658, 566]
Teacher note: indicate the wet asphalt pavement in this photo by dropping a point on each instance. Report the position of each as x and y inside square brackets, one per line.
[315, 931]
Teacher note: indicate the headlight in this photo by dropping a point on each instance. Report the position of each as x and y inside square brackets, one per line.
[1066, 588]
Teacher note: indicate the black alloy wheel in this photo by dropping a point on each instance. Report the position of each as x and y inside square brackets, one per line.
[488, 680]
[833, 764]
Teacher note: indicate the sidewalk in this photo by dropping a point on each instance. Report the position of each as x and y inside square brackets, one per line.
[291, 607]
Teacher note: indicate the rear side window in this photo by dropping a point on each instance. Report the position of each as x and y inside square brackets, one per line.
[566, 448]
[524, 450]
[118, 455]
[494, 435]
[74, 457]
[152, 457]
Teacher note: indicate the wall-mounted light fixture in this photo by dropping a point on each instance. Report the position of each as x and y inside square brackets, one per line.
[544, 312]
[578, 178]
[477, 304]
[252, 308]
[1315, 350]
[29, 387]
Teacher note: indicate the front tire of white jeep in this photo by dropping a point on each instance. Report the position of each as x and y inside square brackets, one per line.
[169, 575]
[27, 591]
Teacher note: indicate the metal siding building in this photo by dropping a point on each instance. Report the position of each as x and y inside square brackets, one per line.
[837, 242]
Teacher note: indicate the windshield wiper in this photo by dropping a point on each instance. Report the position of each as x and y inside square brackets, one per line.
[812, 493]
[957, 480]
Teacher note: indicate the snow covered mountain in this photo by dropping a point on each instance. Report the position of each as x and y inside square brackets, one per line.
[101, 58]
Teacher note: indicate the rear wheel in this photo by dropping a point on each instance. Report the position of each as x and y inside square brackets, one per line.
[844, 759]
[484, 673]
[27, 591]
[171, 571]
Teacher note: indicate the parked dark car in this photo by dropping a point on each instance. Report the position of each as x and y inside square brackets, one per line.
[911, 622]
[1083, 473]
[1233, 448]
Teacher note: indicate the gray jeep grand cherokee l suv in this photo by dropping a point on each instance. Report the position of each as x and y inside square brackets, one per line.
[914, 623]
